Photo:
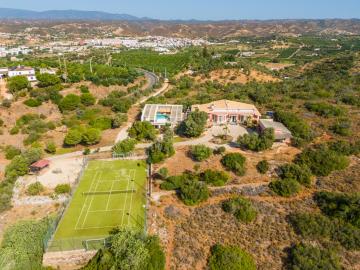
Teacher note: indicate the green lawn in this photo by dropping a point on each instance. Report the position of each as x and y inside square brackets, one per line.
[93, 212]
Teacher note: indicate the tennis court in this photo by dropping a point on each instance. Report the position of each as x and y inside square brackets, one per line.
[110, 194]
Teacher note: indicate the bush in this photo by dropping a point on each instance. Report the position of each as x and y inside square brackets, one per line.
[307, 257]
[35, 189]
[91, 136]
[124, 147]
[22, 246]
[343, 206]
[263, 166]
[84, 89]
[192, 191]
[234, 162]
[342, 128]
[14, 130]
[161, 150]
[220, 150]
[285, 187]
[257, 142]
[50, 148]
[18, 83]
[31, 138]
[11, 152]
[241, 208]
[73, 137]
[200, 152]
[69, 103]
[62, 189]
[118, 120]
[102, 123]
[312, 225]
[87, 99]
[46, 80]
[321, 160]
[214, 178]
[32, 102]
[163, 173]
[230, 258]
[194, 125]
[302, 174]
[324, 109]
[142, 131]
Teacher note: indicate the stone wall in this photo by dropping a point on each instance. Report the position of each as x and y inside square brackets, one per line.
[68, 260]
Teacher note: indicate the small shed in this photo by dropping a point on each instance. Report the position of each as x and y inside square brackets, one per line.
[280, 131]
[39, 165]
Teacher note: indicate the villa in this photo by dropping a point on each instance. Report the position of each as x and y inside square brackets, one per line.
[162, 114]
[227, 111]
[28, 72]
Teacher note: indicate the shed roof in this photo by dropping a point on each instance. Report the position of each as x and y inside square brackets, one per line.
[40, 164]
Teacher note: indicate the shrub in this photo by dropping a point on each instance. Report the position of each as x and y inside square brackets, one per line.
[46, 80]
[18, 83]
[87, 99]
[302, 174]
[6, 103]
[307, 257]
[347, 235]
[342, 128]
[200, 152]
[35, 189]
[193, 192]
[340, 205]
[214, 178]
[102, 123]
[344, 147]
[312, 225]
[119, 119]
[124, 147]
[142, 131]
[257, 142]
[285, 187]
[91, 136]
[84, 89]
[69, 103]
[31, 138]
[163, 173]
[62, 189]
[241, 208]
[324, 109]
[73, 137]
[194, 125]
[230, 258]
[22, 246]
[11, 152]
[157, 255]
[50, 148]
[263, 166]
[234, 162]
[321, 160]
[14, 130]
[161, 150]
[32, 102]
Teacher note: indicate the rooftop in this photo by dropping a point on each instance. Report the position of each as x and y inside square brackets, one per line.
[150, 112]
[225, 104]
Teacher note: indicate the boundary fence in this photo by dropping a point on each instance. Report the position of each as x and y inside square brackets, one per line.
[88, 243]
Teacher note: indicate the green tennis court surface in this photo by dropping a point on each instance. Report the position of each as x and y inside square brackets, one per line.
[110, 194]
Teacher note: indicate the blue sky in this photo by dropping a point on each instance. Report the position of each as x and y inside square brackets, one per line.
[204, 9]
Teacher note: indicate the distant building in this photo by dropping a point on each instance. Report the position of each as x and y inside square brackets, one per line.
[51, 71]
[28, 72]
[162, 114]
[280, 131]
[247, 54]
[227, 111]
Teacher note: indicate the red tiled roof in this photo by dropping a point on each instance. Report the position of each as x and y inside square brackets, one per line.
[41, 163]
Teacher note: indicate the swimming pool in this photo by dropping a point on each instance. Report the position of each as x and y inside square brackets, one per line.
[162, 117]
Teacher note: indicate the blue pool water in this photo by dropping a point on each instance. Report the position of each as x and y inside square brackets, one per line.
[161, 117]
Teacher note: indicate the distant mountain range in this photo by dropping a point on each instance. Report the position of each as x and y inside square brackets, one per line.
[9, 13]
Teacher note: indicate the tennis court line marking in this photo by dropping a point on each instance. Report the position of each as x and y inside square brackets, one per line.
[108, 199]
[84, 205]
[127, 187]
[111, 210]
[133, 183]
[92, 199]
